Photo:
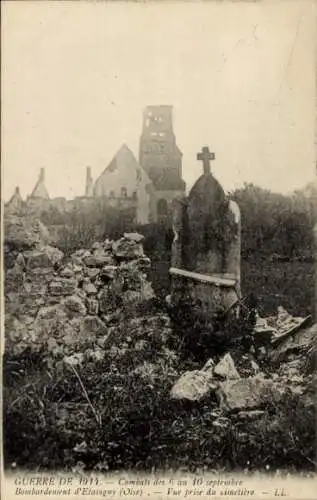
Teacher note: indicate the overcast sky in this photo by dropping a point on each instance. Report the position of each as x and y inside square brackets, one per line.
[77, 75]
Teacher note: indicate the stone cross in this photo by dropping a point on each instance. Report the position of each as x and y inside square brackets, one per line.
[206, 156]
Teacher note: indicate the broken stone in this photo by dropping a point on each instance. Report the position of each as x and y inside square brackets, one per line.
[90, 288]
[98, 259]
[93, 326]
[95, 354]
[35, 288]
[101, 341]
[51, 344]
[108, 272]
[55, 255]
[147, 371]
[107, 245]
[141, 345]
[36, 258]
[144, 263]
[226, 368]
[52, 312]
[247, 366]
[92, 272]
[79, 256]
[96, 245]
[62, 286]
[67, 272]
[107, 301]
[134, 237]
[81, 447]
[262, 352]
[193, 386]
[221, 422]
[295, 343]
[24, 232]
[127, 249]
[45, 257]
[75, 305]
[243, 394]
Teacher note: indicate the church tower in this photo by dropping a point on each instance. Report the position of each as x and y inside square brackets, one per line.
[160, 157]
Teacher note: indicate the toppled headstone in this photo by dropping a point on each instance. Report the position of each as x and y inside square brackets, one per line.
[226, 368]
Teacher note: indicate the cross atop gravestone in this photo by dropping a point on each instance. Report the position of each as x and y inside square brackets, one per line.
[206, 156]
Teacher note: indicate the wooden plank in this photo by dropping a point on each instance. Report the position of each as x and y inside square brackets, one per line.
[216, 280]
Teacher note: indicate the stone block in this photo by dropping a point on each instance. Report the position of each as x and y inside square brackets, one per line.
[193, 386]
[75, 305]
[244, 394]
[62, 286]
[90, 289]
[98, 259]
[46, 256]
[226, 368]
[127, 249]
[108, 272]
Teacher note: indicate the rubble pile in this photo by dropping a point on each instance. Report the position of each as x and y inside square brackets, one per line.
[248, 391]
[64, 305]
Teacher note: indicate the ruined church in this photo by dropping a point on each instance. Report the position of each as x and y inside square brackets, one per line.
[147, 185]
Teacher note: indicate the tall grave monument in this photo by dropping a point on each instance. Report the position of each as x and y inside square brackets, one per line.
[206, 248]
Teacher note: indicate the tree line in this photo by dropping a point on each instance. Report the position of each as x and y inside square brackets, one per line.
[273, 225]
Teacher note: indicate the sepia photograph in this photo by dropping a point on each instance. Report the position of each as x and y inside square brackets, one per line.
[159, 248]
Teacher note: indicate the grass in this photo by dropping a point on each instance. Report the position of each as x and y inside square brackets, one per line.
[50, 422]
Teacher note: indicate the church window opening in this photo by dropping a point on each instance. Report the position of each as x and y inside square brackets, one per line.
[134, 195]
[124, 192]
[111, 194]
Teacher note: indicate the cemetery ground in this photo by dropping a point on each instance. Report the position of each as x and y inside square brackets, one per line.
[288, 283]
[91, 391]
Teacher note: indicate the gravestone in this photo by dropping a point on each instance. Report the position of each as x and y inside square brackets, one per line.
[206, 247]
